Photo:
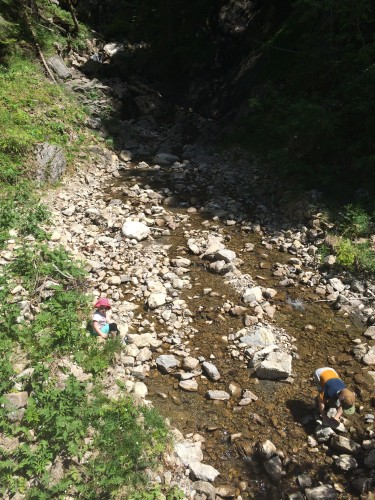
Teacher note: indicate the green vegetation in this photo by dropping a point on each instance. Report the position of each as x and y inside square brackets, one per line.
[28, 117]
[70, 439]
[60, 411]
[352, 240]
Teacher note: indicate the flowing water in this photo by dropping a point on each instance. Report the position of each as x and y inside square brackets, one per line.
[279, 414]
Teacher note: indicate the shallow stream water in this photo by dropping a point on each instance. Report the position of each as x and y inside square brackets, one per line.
[279, 414]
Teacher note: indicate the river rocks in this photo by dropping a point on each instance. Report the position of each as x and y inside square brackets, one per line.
[265, 450]
[225, 255]
[273, 467]
[203, 472]
[227, 491]
[325, 491]
[323, 433]
[218, 395]
[277, 365]
[164, 159]
[135, 230]
[205, 488]
[166, 363]
[253, 294]
[211, 371]
[140, 389]
[156, 300]
[370, 459]
[189, 363]
[234, 389]
[344, 444]
[188, 385]
[189, 453]
[258, 336]
[369, 357]
[345, 462]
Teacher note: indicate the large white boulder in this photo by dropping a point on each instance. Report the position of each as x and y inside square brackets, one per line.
[135, 230]
[277, 365]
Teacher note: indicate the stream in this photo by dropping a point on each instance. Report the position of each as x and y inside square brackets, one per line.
[281, 413]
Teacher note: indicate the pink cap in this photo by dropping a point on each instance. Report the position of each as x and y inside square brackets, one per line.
[103, 302]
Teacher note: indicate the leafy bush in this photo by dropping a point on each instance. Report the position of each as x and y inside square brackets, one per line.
[366, 257]
[346, 254]
[129, 440]
[355, 222]
[94, 357]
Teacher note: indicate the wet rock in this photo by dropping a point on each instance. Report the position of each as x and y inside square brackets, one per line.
[234, 389]
[345, 462]
[277, 365]
[203, 472]
[164, 159]
[265, 450]
[274, 468]
[323, 433]
[363, 484]
[345, 445]
[365, 379]
[304, 480]
[226, 491]
[205, 488]
[296, 496]
[218, 395]
[370, 459]
[211, 371]
[323, 492]
[166, 363]
[135, 230]
[188, 385]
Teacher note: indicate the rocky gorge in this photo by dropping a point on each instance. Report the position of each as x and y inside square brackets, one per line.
[223, 304]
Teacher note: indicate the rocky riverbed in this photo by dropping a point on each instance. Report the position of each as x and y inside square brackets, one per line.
[225, 312]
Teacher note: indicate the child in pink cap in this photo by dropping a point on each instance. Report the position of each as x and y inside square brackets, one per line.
[100, 325]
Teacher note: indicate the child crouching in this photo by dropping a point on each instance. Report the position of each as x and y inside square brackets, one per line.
[100, 326]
